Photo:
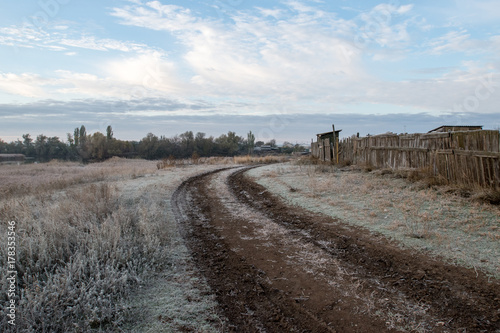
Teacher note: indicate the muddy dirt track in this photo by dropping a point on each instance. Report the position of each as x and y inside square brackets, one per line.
[276, 268]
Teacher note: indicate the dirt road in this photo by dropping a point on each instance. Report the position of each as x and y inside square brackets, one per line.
[276, 268]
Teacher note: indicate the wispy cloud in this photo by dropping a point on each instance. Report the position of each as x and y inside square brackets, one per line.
[93, 43]
[156, 16]
[255, 55]
[384, 26]
[60, 38]
[454, 41]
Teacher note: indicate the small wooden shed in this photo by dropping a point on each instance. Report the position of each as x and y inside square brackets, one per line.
[326, 147]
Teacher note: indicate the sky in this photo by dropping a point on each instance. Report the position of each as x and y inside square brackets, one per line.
[285, 70]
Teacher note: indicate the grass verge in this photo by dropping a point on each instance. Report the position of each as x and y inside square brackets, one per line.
[92, 242]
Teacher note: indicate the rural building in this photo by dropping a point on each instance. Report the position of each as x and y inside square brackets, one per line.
[11, 158]
[265, 149]
[455, 128]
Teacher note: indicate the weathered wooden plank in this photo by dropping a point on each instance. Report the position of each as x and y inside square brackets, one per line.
[431, 136]
[469, 153]
[399, 148]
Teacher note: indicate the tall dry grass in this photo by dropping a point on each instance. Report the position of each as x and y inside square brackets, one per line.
[248, 159]
[236, 160]
[80, 250]
[37, 178]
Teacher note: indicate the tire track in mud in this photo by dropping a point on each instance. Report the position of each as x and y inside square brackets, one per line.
[245, 297]
[276, 268]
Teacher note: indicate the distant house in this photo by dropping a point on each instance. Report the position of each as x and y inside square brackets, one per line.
[11, 158]
[455, 128]
[265, 149]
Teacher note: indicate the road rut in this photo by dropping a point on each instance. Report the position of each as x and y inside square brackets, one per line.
[276, 268]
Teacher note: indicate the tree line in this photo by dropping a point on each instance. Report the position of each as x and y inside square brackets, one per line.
[84, 147]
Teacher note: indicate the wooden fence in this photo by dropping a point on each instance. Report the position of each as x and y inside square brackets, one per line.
[469, 157]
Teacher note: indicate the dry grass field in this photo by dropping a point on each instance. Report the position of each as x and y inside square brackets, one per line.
[98, 247]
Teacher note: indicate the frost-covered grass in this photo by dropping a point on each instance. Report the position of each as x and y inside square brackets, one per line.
[98, 248]
[28, 179]
[458, 229]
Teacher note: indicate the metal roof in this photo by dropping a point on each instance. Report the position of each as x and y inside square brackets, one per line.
[479, 126]
[326, 133]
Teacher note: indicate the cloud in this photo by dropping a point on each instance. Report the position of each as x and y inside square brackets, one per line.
[62, 38]
[156, 16]
[22, 37]
[455, 92]
[453, 41]
[405, 9]
[27, 85]
[149, 71]
[255, 56]
[300, 7]
[143, 75]
[478, 11]
[100, 110]
[383, 25]
[256, 61]
[461, 41]
[275, 13]
[93, 43]
[56, 118]
[435, 70]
